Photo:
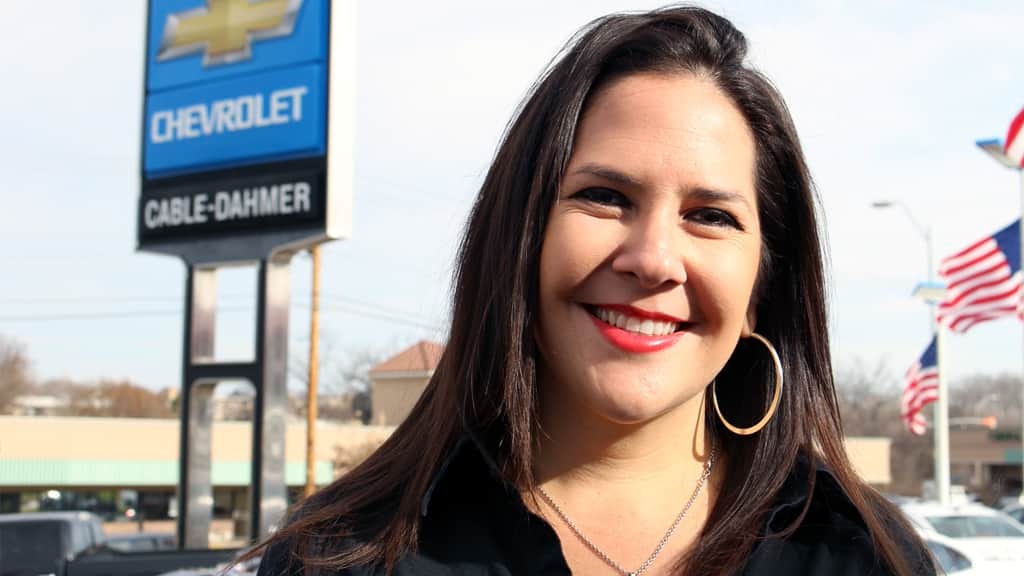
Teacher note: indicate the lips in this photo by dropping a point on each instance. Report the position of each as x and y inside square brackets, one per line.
[634, 330]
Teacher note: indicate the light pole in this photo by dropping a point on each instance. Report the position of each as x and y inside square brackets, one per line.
[931, 294]
[996, 150]
[925, 232]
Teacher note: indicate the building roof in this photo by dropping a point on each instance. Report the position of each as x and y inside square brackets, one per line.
[422, 356]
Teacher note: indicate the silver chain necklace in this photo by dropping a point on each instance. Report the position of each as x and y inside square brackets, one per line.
[664, 539]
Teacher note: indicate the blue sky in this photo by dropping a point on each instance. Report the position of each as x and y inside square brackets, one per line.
[889, 99]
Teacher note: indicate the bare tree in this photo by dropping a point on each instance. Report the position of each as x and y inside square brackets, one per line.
[345, 381]
[869, 402]
[983, 395]
[15, 372]
[116, 398]
[355, 367]
[298, 366]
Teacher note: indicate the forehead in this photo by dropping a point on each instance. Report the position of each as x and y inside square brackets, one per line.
[659, 125]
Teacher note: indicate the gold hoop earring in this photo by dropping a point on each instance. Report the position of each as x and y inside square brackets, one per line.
[775, 399]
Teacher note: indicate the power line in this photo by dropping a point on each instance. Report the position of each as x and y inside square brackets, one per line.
[87, 315]
[380, 316]
[89, 299]
[402, 314]
[177, 312]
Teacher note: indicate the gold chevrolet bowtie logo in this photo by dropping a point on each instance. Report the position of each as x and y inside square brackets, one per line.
[224, 30]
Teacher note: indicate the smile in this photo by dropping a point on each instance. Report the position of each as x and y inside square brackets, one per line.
[634, 330]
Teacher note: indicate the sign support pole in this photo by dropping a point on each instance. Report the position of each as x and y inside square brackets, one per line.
[267, 372]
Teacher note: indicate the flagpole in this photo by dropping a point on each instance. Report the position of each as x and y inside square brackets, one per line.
[1021, 231]
[941, 420]
[940, 417]
[1001, 153]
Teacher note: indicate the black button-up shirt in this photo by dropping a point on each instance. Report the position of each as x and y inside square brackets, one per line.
[474, 523]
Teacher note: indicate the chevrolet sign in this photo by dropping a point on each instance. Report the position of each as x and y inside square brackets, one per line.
[235, 123]
[234, 82]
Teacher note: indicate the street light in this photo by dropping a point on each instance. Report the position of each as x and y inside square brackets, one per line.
[996, 150]
[932, 293]
[924, 231]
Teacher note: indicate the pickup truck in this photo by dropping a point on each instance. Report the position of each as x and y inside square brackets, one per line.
[73, 544]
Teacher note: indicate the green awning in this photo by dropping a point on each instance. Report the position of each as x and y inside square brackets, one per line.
[132, 473]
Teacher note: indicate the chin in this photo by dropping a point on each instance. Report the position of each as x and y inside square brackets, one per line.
[640, 404]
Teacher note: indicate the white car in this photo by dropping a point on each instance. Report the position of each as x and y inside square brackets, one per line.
[991, 540]
[1016, 512]
[953, 560]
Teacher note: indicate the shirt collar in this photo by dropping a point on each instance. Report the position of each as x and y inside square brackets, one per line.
[467, 442]
[798, 488]
[809, 481]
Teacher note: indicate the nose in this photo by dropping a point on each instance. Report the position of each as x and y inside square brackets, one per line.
[652, 251]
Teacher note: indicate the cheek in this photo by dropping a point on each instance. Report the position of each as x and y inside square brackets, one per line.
[730, 283]
[574, 247]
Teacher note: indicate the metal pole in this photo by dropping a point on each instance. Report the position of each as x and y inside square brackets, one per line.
[269, 491]
[941, 411]
[311, 393]
[195, 493]
[1021, 231]
[942, 422]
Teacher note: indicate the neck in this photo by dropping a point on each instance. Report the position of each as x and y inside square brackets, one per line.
[578, 447]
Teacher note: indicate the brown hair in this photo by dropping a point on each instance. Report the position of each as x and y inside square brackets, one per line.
[487, 376]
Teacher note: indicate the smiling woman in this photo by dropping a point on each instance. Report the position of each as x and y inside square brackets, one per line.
[637, 379]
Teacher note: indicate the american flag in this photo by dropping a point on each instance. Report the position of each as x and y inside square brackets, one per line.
[922, 387]
[983, 281]
[1015, 140]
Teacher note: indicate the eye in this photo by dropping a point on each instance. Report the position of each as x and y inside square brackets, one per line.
[603, 196]
[713, 217]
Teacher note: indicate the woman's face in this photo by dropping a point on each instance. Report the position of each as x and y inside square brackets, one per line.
[651, 252]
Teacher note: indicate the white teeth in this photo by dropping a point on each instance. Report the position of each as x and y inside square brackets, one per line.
[645, 326]
[619, 320]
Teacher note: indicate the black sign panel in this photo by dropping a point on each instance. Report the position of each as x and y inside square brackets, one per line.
[283, 195]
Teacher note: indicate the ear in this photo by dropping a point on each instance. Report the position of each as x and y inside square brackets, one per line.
[750, 322]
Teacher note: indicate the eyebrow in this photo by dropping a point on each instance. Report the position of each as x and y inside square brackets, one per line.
[712, 195]
[700, 192]
[607, 174]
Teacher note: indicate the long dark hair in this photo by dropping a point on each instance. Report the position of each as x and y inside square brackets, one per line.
[487, 376]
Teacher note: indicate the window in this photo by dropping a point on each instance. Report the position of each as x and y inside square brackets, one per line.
[949, 559]
[974, 527]
[30, 547]
[81, 539]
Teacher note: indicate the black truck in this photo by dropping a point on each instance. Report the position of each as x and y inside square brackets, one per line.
[73, 544]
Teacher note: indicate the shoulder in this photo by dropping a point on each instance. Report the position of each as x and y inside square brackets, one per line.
[278, 560]
[281, 559]
[831, 537]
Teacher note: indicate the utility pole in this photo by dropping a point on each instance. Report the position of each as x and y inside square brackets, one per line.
[311, 391]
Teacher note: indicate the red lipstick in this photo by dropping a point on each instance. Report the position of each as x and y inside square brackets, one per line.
[638, 313]
[631, 341]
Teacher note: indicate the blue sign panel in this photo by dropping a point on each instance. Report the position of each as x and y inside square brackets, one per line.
[192, 41]
[267, 116]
